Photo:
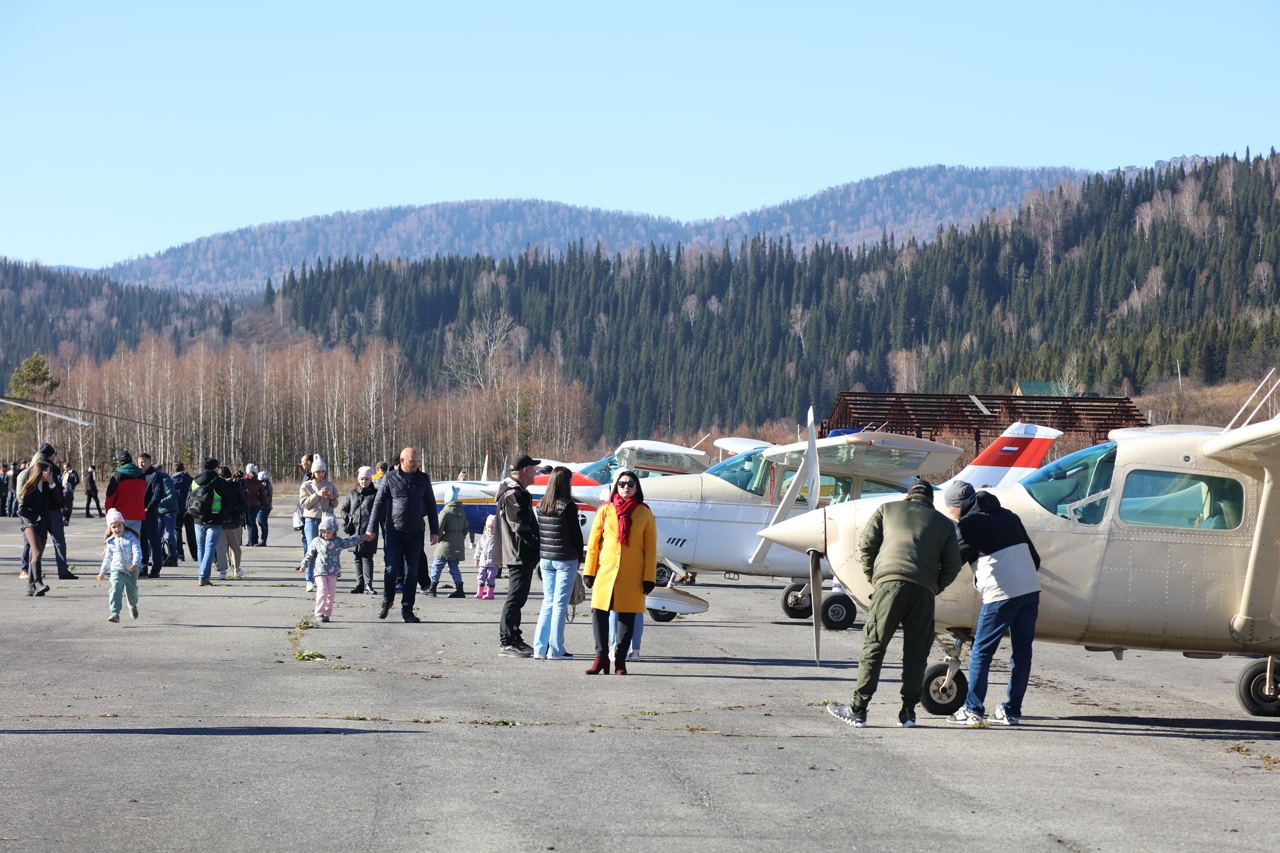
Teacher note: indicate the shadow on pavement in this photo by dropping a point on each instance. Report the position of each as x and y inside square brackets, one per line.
[220, 731]
[1161, 727]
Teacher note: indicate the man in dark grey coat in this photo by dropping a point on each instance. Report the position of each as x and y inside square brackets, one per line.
[910, 554]
[406, 504]
[517, 547]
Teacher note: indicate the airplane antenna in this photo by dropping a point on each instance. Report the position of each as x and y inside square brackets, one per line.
[704, 438]
[1227, 428]
[1264, 399]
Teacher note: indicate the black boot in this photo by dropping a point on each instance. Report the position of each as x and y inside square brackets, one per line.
[432, 591]
[458, 592]
[358, 588]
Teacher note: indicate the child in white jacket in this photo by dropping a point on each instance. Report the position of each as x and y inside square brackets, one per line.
[323, 558]
[122, 557]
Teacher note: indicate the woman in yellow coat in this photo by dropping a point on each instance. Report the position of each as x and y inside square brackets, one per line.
[621, 567]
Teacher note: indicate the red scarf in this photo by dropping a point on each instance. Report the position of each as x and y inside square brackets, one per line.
[623, 508]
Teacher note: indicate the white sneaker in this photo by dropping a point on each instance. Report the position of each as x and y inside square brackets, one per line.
[1002, 716]
[311, 587]
[539, 656]
[965, 717]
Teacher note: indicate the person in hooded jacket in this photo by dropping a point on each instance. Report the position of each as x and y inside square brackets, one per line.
[317, 497]
[453, 545]
[53, 525]
[621, 567]
[1005, 563]
[127, 492]
[209, 524]
[357, 507]
[186, 525]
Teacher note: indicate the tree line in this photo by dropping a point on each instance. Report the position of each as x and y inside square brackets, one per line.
[1117, 282]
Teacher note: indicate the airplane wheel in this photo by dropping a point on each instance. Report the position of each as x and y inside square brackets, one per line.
[661, 615]
[838, 612]
[664, 574]
[937, 700]
[1249, 691]
[795, 605]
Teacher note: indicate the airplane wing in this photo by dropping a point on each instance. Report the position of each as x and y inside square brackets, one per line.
[881, 455]
[733, 445]
[660, 457]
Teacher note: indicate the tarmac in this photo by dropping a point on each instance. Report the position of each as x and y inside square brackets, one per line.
[197, 727]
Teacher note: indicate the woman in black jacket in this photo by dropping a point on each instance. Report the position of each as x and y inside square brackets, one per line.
[561, 537]
[356, 508]
[40, 495]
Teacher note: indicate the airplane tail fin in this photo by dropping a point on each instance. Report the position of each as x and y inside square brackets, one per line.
[1018, 451]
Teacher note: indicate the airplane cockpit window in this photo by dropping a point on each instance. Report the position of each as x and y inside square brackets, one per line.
[1077, 486]
[1178, 499]
[875, 488]
[832, 490]
[747, 471]
[601, 470]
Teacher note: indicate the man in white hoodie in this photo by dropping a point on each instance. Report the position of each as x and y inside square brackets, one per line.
[1005, 563]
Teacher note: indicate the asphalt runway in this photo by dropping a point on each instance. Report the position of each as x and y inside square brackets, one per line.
[196, 728]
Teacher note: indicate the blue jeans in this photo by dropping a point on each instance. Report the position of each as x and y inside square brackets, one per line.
[169, 525]
[310, 530]
[207, 536]
[258, 525]
[557, 585]
[1018, 617]
[437, 569]
[636, 633]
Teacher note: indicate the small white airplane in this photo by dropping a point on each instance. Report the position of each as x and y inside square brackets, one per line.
[708, 522]
[1162, 538]
[647, 458]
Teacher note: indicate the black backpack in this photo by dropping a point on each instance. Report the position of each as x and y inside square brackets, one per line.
[203, 503]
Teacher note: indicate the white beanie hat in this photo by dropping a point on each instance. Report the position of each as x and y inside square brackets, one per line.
[328, 522]
[317, 464]
[365, 471]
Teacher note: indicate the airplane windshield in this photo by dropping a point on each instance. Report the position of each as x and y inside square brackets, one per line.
[601, 470]
[1064, 487]
[746, 471]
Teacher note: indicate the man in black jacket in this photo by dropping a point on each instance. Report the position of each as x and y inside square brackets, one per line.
[91, 493]
[518, 547]
[152, 545]
[403, 501]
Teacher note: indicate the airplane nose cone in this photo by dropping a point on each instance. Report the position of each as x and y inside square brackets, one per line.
[800, 532]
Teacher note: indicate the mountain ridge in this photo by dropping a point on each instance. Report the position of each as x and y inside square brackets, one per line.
[907, 203]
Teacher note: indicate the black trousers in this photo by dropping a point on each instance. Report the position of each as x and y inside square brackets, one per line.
[600, 627]
[91, 498]
[519, 580]
[364, 570]
[188, 524]
[152, 544]
[401, 549]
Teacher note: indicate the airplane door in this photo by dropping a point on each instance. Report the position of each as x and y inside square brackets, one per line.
[1178, 544]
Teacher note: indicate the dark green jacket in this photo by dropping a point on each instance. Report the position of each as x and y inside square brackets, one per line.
[909, 540]
[453, 532]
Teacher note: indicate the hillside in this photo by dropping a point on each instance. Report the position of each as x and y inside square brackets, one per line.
[1109, 285]
[913, 202]
[64, 314]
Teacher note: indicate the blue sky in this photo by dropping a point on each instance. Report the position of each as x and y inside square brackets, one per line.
[128, 128]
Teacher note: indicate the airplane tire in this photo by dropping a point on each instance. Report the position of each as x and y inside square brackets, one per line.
[795, 605]
[942, 702]
[1249, 691]
[838, 612]
[663, 577]
[660, 615]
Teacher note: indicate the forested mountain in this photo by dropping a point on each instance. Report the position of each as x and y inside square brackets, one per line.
[914, 202]
[64, 313]
[1107, 284]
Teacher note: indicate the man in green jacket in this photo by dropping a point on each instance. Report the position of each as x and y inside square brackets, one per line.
[910, 554]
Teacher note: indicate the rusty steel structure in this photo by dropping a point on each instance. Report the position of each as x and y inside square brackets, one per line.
[943, 417]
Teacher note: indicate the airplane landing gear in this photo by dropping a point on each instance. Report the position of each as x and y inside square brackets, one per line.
[945, 686]
[1257, 689]
[796, 601]
[838, 612]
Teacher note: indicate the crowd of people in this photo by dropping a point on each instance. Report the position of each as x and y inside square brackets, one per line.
[910, 553]
[154, 517]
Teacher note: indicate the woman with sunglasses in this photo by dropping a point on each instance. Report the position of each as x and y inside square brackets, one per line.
[621, 567]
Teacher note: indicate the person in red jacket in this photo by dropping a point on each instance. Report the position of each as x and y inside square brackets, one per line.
[126, 492]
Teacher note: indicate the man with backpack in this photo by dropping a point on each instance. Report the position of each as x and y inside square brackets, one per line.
[204, 505]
